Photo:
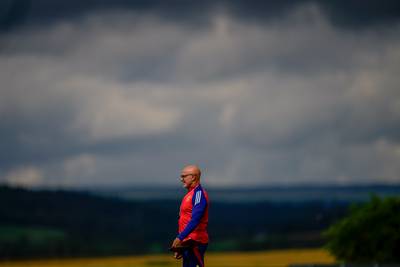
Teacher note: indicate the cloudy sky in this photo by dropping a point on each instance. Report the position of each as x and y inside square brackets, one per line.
[98, 93]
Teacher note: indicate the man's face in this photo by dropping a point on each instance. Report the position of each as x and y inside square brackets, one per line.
[187, 178]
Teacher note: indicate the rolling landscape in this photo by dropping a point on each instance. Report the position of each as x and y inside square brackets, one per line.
[64, 224]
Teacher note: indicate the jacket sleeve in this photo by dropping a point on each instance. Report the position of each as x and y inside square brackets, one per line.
[199, 206]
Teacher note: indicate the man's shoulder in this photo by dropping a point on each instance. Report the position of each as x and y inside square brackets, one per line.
[199, 191]
[199, 187]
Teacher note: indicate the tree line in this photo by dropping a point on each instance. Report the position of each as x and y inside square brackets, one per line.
[46, 223]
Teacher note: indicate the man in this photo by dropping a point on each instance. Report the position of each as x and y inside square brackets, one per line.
[192, 240]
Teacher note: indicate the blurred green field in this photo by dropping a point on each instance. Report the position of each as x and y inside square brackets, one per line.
[276, 258]
[37, 236]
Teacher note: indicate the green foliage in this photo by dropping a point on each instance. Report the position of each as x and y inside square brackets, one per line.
[371, 233]
[33, 235]
[22, 241]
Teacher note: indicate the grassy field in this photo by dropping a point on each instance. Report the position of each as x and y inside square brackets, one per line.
[278, 258]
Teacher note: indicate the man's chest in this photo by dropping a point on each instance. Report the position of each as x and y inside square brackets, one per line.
[186, 205]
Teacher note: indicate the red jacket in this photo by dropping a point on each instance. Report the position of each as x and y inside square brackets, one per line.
[193, 216]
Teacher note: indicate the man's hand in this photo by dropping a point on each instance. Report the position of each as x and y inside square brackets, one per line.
[177, 255]
[176, 243]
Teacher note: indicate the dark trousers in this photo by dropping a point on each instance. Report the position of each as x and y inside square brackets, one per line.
[193, 256]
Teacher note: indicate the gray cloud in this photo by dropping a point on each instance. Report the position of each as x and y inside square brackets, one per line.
[351, 14]
[118, 97]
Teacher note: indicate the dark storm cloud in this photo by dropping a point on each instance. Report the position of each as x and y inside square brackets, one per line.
[102, 92]
[357, 13]
[353, 13]
[41, 12]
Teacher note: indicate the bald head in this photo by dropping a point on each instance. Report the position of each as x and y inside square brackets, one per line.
[192, 169]
[190, 176]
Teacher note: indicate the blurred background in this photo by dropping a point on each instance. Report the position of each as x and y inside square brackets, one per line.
[290, 108]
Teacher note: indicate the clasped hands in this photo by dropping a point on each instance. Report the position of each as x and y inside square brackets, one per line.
[174, 247]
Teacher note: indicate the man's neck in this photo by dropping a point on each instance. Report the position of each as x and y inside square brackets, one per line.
[193, 186]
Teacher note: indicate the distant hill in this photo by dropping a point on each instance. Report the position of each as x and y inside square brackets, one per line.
[256, 194]
[59, 223]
